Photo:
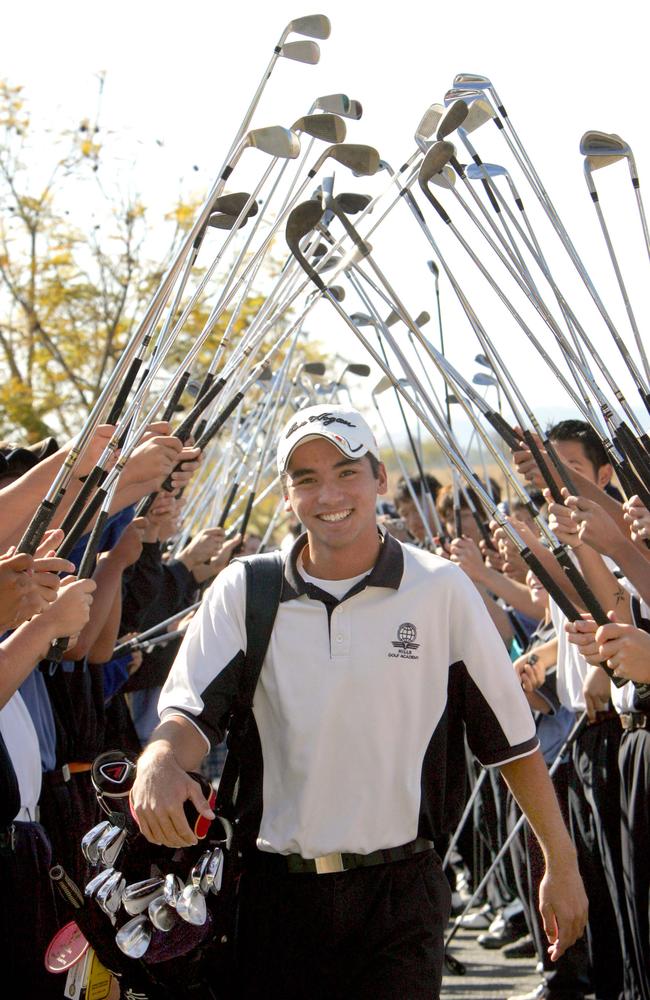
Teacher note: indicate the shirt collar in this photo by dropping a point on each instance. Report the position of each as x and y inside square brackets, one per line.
[387, 571]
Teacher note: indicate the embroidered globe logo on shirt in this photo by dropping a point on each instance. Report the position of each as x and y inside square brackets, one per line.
[406, 634]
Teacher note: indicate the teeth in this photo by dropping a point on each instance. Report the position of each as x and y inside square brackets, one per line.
[340, 516]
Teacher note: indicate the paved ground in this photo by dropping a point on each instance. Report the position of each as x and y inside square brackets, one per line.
[488, 976]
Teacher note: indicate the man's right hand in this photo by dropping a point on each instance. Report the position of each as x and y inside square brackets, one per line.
[158, 795]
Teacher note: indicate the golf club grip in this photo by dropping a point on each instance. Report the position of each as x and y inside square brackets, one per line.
[94, 478]
[561, 469]
[36, 528]
[230, 499]
[487, 187]
[218, 423]
[80, 525]
[503, 429]
[645, 396]
[200, 427]
[247, 514]
[458, 522]
[590, 600]
[587, 595]
[58, 648]
[175, 397]
[208, 379]
[563, 602]
[634, 453]
[542, 465]
[67, 889]
[185, 429]
[124, 648]
[125, 389]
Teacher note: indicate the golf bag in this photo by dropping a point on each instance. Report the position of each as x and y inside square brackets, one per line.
[193, 956]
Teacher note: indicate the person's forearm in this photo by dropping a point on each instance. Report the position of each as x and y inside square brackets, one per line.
[108, 577]
[634, 565]
[611, 595]
[102, 649]
[179, 737]
[529, 782]
[20, 652]
[515, 594]
[498, 615]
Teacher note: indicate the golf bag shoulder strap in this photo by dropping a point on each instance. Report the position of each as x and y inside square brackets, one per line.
[264, 575]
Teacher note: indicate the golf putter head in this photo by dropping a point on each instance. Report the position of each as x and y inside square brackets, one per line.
[91, 839]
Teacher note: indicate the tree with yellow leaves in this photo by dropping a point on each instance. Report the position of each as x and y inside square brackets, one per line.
[70, 294]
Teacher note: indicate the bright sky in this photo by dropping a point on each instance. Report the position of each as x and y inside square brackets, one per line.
[180, 75]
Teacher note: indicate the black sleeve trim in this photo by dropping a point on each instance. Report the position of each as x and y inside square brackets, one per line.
[521, 750]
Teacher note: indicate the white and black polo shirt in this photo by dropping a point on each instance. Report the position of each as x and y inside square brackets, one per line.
[361, 704]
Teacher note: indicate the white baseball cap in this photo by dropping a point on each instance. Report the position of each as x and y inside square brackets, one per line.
[344, 428]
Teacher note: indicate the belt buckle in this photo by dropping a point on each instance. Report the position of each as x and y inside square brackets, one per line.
[328, 864]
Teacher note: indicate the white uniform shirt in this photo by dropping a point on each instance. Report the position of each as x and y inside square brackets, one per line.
[21, 739]
[360, 702]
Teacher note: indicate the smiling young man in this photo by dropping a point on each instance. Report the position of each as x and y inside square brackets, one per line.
[381, 655]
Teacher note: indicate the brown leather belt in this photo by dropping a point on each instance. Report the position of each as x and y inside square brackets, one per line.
[339, 861]
[634, 720]
[63, 774]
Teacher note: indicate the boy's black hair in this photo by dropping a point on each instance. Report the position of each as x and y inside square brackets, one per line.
[581, 431]
[402, 492]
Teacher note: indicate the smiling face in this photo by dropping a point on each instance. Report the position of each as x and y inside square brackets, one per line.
[334, 497]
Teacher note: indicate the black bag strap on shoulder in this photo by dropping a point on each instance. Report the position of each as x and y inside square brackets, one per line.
[264, 575]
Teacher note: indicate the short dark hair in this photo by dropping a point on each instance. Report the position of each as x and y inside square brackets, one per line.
[445, 503]
[584, 434]
[430, 483]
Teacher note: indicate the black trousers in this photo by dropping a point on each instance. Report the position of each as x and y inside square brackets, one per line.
[594, 804]
[28, 916]
[568, 977]
[634, 761]
[372, 933]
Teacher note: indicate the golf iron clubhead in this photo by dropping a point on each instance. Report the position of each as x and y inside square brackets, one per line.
[191, 906]
[96, 883]
[109, 895]
[91, 839]
[137, 896]
[162, 915]
[172, 889]
[110, 844]
[134, 937]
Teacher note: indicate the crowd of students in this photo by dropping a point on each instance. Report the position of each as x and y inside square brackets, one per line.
[56, 718]
[603, 781]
